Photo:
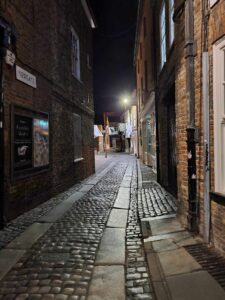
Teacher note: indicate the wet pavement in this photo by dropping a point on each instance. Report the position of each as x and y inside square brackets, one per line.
[61, 263]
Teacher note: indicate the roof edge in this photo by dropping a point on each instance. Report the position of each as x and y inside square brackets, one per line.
[89, 13]
[138, 27]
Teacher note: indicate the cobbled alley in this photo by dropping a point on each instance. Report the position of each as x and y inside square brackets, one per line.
[86, 243]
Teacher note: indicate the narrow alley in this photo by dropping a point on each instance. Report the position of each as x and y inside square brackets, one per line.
[89, 243]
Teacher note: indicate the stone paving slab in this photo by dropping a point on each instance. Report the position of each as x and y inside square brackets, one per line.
[176, 236]
[108, 283]
[57, 212]
[164, 245]
[124, 192]
[162, 226]
[158, 217]
[8, 258]
[177, 262]
[122, 202]
[112, 247]
[195, 286]
[125, 184]
[29, 236]
[86, 188]
[118, 218]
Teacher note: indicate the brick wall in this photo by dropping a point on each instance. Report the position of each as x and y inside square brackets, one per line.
[145, 84]
[43, 48]
[216, 31]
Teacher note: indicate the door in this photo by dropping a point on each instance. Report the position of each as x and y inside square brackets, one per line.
[172, 157]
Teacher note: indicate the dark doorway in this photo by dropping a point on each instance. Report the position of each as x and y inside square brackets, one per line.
[172, 157]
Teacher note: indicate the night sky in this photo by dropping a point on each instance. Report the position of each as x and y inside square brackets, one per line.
[113, 52]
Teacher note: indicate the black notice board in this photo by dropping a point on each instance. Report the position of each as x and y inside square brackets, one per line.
[23, 146]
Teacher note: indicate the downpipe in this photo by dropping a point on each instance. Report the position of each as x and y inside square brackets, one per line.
[191, 130]
[2, 196]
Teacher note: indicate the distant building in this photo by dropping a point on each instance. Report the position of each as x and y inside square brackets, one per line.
[145, 85]
[48, 102]
[130, 130]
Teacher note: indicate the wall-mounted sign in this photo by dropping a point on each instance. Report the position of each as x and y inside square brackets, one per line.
[22, 142]
[10, 58]
[25, 77]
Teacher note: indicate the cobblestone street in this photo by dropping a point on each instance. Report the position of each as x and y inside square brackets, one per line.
[60, 264]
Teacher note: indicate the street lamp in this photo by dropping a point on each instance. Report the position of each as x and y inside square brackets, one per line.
[125, 101]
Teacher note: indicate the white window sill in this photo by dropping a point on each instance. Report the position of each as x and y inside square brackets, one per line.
[77, 78]
[78, 159]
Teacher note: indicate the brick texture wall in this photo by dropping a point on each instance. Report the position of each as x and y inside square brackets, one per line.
[43, 48]
[216, 31]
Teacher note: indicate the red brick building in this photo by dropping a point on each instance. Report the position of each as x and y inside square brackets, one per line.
[188, 49]
[48, 104]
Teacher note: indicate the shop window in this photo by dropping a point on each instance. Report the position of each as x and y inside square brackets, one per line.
[149, 135]
[75, 53]
[163, 34]
[77, 137]
[219, 114]
[171, 12]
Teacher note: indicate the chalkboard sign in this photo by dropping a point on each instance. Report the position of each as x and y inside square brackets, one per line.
[23, 135]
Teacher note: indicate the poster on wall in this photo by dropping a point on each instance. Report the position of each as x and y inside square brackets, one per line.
[23, 136]
[41, 142]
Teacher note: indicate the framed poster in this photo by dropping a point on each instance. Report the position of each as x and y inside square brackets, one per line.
[30, 141]
[23, 136]
[41, 142]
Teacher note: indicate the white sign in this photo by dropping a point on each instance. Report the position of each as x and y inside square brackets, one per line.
[25, 77]
[10, 58]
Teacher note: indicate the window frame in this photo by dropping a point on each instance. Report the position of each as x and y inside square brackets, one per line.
[77, 138]
[75, 55]
[219, 114]
[162, 31]
[171, 22]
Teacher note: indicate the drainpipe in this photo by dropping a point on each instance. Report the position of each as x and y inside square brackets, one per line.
[205, 108]
[2, 200]
[191, 130]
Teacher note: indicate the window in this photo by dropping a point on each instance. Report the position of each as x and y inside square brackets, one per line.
[75, 52]
[142, 92]
[171, 12]
[88, 62]
[77, 137]
[163, 35]
[219, 114]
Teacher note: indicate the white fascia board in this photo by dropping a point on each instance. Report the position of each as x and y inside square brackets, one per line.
[88, 13]
[212, 2]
